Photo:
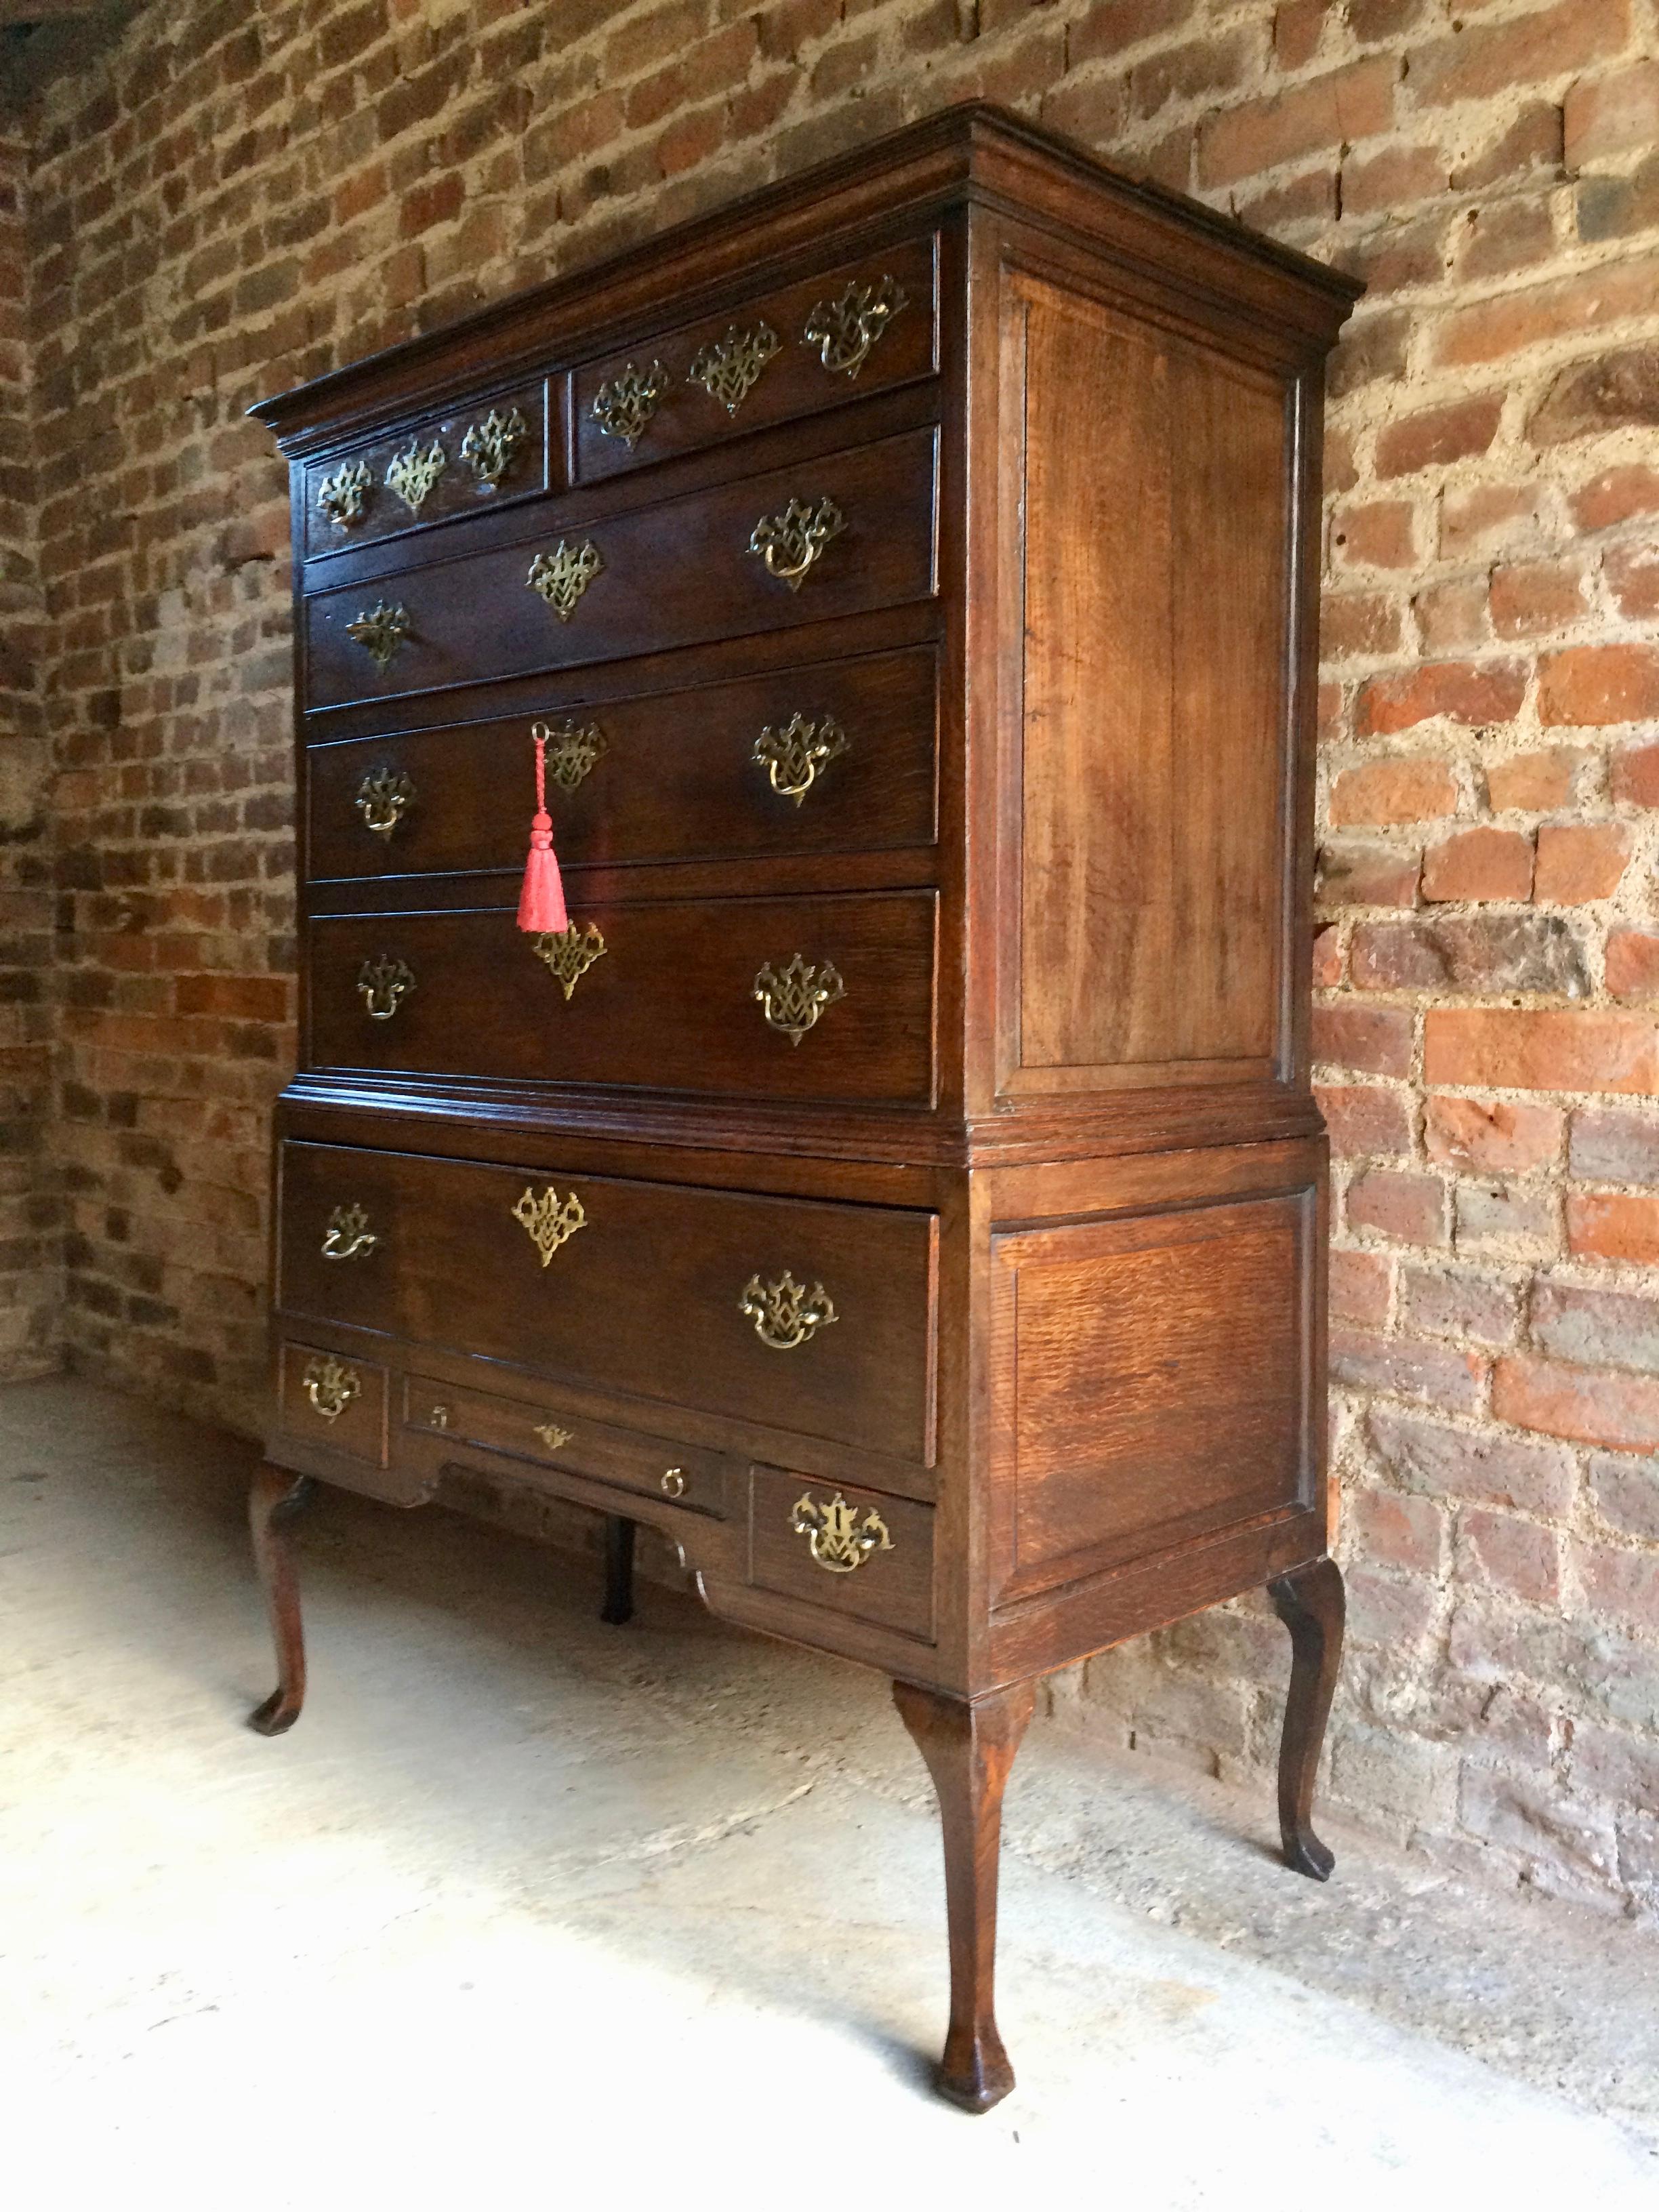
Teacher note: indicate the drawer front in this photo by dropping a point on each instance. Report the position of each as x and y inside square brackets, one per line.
[838, 757]
[692, 1298]
[840, 534]
[329, 1400]
[835, 1545]
[871, 324]
[557, 1439]
[480, 454]
[673, 995]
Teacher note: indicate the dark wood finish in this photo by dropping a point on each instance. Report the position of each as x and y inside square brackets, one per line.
[276, 1495]
[969, 1746]
[1312, 1605]
[1053, 1154]
[619, 1607]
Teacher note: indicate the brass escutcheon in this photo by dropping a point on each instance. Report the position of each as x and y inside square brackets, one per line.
[383, 797]
[569, 953]
[844, 330]
[838, 1540]
[348, 1236]
[795, 755]
[552, 1435]
[673, 1482]
[384, 982]
[791, 542]
[438, 1418]
[329, 1386]
[728, 368]
[562, 576]
[624, 406]
[549, 1219]
[793, 1000]
[786, 1314]
[412, 474]
[489, 447]
[341, 496]
[380, 631]
[572, 750]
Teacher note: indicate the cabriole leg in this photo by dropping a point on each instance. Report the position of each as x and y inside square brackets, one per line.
[275, 1497]
[1311, 1605]
[618, 1605]
[969, 1748]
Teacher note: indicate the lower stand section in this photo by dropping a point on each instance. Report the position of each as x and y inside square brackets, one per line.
[275, 1497]
[969, 1748]
[618, 1605]
[1311, 1603]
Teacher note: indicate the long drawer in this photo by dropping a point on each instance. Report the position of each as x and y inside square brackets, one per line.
[827, 998]
[834, 757]
[798, 1315]
[838, 535]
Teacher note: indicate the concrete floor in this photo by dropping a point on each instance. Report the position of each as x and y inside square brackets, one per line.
[529, 1911]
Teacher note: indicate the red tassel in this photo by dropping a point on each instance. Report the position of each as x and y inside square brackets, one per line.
[541, 902]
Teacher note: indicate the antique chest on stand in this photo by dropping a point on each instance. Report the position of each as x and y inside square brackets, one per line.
[900, 1180]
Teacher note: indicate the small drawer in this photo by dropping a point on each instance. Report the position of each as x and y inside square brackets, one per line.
[856, 1551]
[481, 454]
[557, 1439]
[338, 1402]
[863, 326]
[839, 534]
[838, 757]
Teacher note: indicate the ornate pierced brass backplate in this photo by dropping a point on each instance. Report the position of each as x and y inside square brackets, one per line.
[412, 473]
[728, 368]
[349, 1236]
[380, 631]
[489, 447]
[385, 983]
[341, 496]
[552, 1435]
[623, 407]
[329, 1386]
[569, 953]
[798, 754]
[792, 998]
[572, 750]
[791, 542]
[383, 797]
[839, 1540]
[549, 1220]
[786, 1314]
[843, 330]
[562, 576]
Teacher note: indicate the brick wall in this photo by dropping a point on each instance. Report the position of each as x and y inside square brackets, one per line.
[239, 196]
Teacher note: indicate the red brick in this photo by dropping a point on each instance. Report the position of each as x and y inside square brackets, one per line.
[1621, 495]
[1416, 788]
[1479, 863]
[1391, 178]
[1437, 1302]
[1612, 391]
[1451, 618]
[1297, 27]
[1626, 1494]
[428, 205]
[1459, 690]
[1351, 103]
[1404, 1367]
[1359, 1287]
[1365, 1120]
[1512, 1048]
[1327, 958]
[1623, 1583]
[1370, 1040]
[1530, 597]
[1594, 1327]
[1618, 114]
[1633, 963]
[1530, 143]
[1482, 952]
[1499, 238]
[1399, 1530]
[1111, 26]
[1609, 1146]
[1578, 861]
[1635, 775]
[1565, 308]
[1439, 435]
[1607, 1763]
[1355, 874]
[1409, 1208]
[1484, 1464]
[1621, 1412]
[1593, 686]
[1533, 782]
[1632, 575]
[1525, 49]
[1357, 625]
[1491, 1136]
[1376, 534]
[1610, 1228]
[1512, 1555]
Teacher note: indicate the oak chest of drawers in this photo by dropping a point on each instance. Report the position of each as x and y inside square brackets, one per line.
[901, 1181]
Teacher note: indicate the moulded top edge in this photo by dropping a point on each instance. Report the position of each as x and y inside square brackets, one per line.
[933, 163]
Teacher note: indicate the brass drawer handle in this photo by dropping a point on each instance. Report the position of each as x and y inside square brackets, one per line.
[380, 631]
[331, 1387]
[793, 1000]
[553, 1436]
[569, 953]
[791, 542]
[622, 407]
[384, 983]
[673, 1482]
[844, 330]
[438, 1418]
[383, 797]
[795, 755]
[341, 496]
[562, 576]
[572, 750]
[349, 1236]
[489, 447]
[786, 1314]
[728, 368]
[839, 1540]
[548, 1220]
[412, 474]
